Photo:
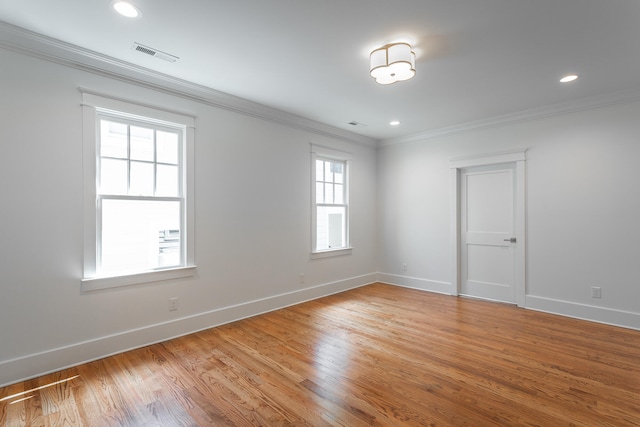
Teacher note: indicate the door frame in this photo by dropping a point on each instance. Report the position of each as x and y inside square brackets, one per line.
[518, 159]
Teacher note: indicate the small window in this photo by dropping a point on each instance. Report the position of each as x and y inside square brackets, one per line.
[138, 214]
[331, 207]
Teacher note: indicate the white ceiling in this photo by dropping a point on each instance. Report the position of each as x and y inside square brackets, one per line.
[476, 59]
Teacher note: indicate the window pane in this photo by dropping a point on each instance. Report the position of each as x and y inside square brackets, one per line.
[338, 193]
[328, 193]
[113, 139]
[336, 230]
[167, 147]
[336, 167]
[167, 181]
[141, 143]
[328, 175]
[139, 235]
[338, 172]
[331, 228]
[319, 170]
[141, 179]
[113, 176]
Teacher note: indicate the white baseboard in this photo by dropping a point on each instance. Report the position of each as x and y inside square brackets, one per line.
[591, 313]
[625, 319]
[34, 365]
[416, 283]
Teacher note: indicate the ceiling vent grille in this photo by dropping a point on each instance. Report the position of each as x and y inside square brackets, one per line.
[154, 52]
[355, 123]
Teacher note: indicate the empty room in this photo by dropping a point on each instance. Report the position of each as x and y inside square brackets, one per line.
[328, 214]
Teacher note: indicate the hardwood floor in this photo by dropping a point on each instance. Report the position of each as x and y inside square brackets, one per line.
[379, 355]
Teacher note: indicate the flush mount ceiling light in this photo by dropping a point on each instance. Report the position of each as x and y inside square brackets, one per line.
[392, 63]
[127, 9]
[569, 78]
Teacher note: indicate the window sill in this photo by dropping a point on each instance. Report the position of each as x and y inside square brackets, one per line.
[331, 253]
[107, 282]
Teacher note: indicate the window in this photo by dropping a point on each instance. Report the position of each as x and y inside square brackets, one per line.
[331, 206]
[139, 196]
[138, 183]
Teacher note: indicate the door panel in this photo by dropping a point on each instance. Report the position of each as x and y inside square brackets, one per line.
[487, 225]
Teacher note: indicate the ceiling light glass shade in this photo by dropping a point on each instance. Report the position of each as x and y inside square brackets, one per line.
[126, 9]
[393, 63]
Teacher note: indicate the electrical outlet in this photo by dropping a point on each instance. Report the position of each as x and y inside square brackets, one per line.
[404, 267]
[301, 278]
[173, 304]
[596, 292]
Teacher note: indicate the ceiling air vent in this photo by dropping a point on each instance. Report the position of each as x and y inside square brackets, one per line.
[154, 52]
[354, 123]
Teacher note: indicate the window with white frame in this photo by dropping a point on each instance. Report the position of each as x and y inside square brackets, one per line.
[331, 201]
[138, 215]
[139, 195]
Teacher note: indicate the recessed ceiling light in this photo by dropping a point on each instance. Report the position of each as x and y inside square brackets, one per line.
[394, 123]
[569, 78]
[126, 9]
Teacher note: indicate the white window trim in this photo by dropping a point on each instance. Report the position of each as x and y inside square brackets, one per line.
[320, 152]
[105, 282]
[331, 253]
[92, 103]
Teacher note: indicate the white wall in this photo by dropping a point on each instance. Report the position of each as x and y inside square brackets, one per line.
[583, 205]
[253, 218]
[252, 180]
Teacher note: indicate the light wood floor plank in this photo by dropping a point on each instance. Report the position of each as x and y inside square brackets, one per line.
[374, 356]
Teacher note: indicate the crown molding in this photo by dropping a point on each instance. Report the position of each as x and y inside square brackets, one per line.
[587, 103]
[36, 45]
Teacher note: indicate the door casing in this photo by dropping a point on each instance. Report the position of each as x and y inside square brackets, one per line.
[518, 159]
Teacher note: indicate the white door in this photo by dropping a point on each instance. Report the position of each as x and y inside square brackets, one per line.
[487, 230]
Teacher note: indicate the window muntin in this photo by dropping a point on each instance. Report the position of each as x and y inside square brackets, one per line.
[140, 203]
[331, 207]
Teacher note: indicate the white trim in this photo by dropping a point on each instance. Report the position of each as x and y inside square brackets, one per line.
[34, 365]
[624, 319]
[36, 45]
[94, 104]
[105, 282]
[325, 153]
[117, 106]
[518, 158]
[537, 113]
[330, 153]
[521, 232]
[189, 176]
[331, 253]
[436, 286]
[454, 229]
[591, 313]
[89, 131]
[485, 160]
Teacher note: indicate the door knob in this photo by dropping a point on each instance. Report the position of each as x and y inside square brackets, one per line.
[511, 240]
